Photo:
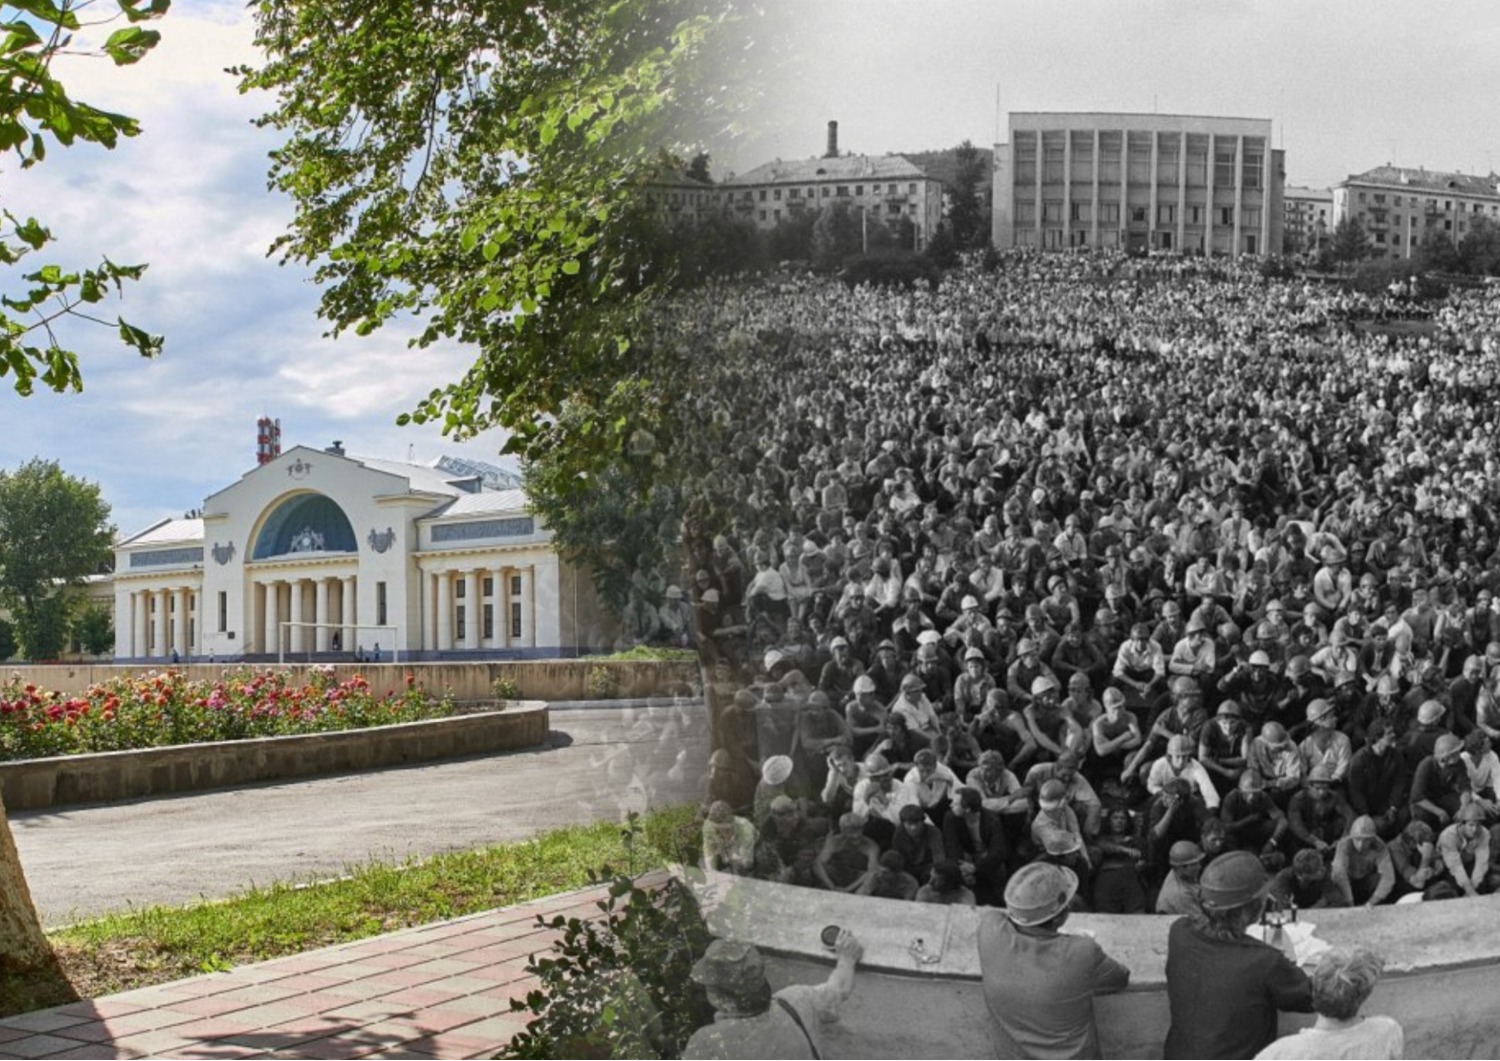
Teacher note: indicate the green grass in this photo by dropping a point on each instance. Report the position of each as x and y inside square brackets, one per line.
[157, 944]
[652, 652]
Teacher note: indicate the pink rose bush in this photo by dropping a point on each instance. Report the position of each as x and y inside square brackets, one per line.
[159, 709]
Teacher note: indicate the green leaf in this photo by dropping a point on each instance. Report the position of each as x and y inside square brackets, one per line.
[130, 44]
[144, 10]
[570, 268]
[54, 15]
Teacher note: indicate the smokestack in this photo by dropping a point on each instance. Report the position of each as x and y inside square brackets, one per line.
[833, 141]
[267, 440]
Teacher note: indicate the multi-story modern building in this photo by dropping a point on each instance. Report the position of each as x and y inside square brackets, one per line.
[317, 552]
[887, 187]
[1307, 219]
[1138, 182]
[1402, 208]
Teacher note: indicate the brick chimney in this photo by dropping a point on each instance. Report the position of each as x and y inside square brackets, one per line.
[833, 141]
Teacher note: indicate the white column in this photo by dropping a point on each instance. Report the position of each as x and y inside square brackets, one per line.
[298, 643]
[140, 624]
[444, 612]
[273, 617]
[162, 600]
[501, 602]
[528, 608]
[473, 609]
[429, 609]
[320, 613]
[347, 613]
[180, 623]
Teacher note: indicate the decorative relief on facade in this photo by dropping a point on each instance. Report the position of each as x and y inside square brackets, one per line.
[488, 528]
[223, 553]
[167, 557]
[299, 469]
[307, 540]
[380, 541]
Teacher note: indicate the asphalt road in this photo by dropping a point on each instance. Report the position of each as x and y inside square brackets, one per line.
[603, 762]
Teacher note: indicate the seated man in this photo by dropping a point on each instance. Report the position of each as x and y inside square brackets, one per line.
[1055, 831]
[1175, 813]
[1179, 892]
[788, 843]
[728, 841]
[1465, 849]
[1305, 882]
[1440, 783]
[1362, 868]
[1179, 763]
[919, 841]
[1077, 790]
[1319, 815]
[1251, 817]
[974, 840]
[848, 859]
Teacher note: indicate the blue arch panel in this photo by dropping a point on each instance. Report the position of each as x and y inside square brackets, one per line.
[307, 522]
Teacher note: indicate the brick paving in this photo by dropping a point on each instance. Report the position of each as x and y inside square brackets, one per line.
[441, 990]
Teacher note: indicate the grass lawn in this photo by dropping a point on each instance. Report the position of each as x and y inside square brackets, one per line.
[159, 944]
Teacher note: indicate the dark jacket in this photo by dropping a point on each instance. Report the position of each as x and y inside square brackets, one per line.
[1225, 994]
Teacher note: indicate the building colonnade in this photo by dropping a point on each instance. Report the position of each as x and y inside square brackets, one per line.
[164, 621]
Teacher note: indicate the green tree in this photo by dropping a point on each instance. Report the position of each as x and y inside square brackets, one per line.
[965, 206]
[1351, 243]
[35, 112]
[54, 531]
[95, 630]
[481, 166]
[7, 640]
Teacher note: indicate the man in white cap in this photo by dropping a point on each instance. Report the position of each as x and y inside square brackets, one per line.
[750, 1021]
[1039, 983]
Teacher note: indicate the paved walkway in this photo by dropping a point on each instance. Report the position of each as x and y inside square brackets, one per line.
[440, 990]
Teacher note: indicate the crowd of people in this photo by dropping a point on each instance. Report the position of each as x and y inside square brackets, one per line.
[1121, 566]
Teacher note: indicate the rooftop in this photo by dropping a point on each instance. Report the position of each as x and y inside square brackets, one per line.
[845, 167]
[1428, 180]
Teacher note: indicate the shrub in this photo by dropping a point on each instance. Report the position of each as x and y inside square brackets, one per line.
[160, 709]
[620, 985]
[601, 684]
[506, 689]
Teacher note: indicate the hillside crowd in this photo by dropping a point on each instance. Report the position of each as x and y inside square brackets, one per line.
[1118, 564]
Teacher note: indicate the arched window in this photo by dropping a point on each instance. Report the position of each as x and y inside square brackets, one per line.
[306, 523]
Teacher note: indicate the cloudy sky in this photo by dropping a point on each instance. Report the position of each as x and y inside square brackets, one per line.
[1349, 85]
[189, 197]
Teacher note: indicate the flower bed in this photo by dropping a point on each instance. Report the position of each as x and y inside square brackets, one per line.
[161, 709]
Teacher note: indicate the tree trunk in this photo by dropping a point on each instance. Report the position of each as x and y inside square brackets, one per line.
[22, 943]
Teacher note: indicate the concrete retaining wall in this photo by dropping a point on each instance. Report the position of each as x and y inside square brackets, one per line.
[1443, 964]
[534, 679]
[32, 784]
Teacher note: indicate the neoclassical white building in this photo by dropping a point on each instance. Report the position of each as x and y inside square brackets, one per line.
[427, 560]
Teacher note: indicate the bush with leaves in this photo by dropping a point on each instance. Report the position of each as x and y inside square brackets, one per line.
[619, 985]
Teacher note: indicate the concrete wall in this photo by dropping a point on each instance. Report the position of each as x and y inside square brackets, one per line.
[1443, 964]
[32, 784]
[534, 679]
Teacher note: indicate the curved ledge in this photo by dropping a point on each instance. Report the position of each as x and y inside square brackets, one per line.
[1442, 958]
[33, 784]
